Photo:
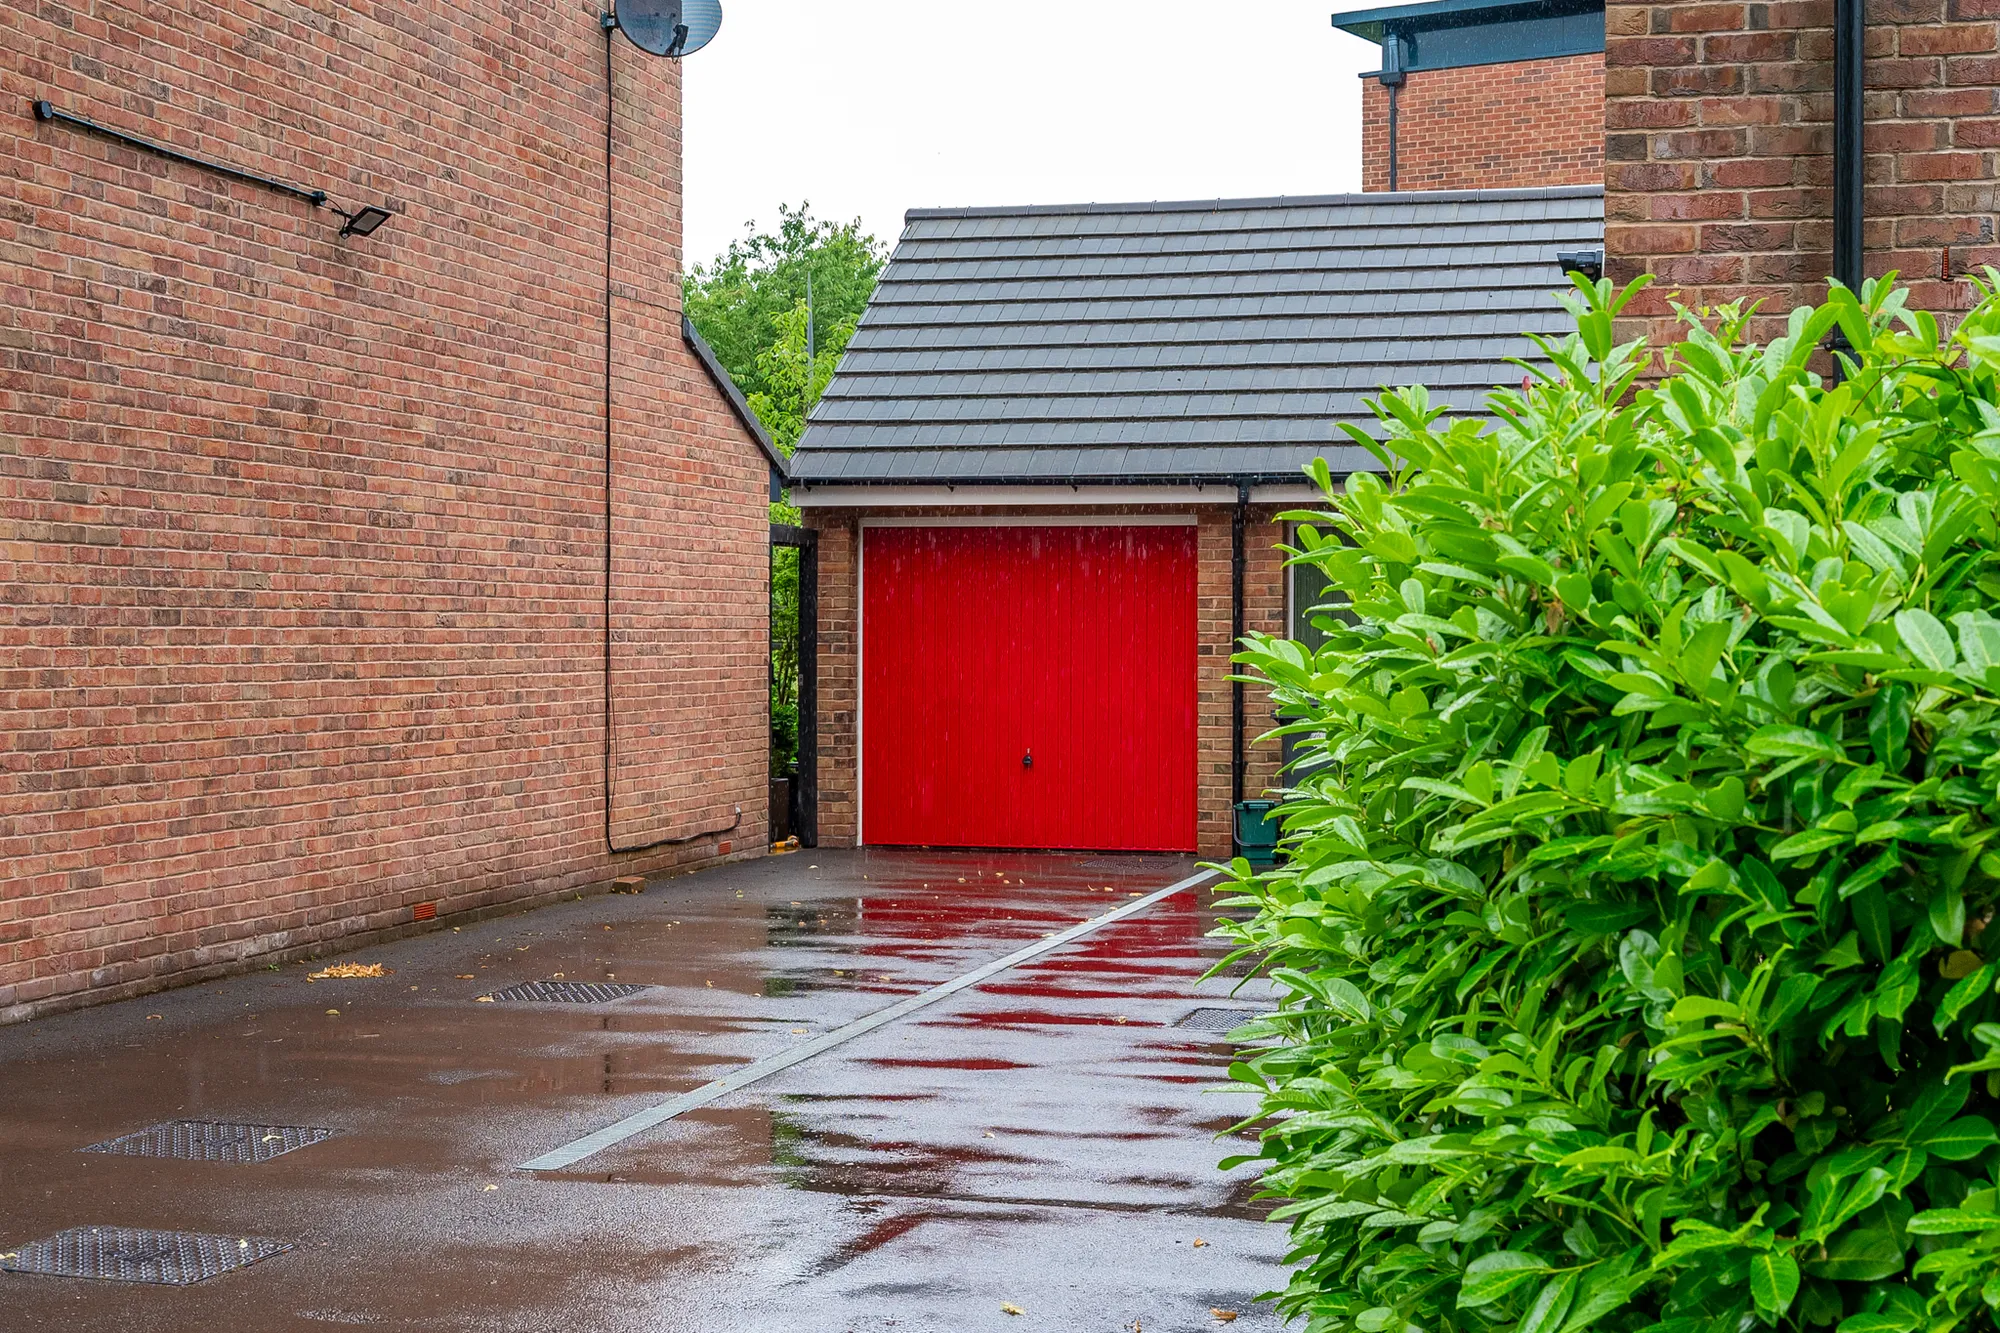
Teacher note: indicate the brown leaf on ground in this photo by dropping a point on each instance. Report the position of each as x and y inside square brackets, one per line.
[349, 972]
[467, 976]
[484, 999]
[1224, 1316]
[1007, 1308]
[1200, 1243]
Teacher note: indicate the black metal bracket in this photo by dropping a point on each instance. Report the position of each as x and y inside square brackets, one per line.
[48, 111]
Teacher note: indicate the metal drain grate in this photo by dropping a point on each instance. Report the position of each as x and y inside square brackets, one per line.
[118, 1254]
[567, 992]
[1217, 1020]
[214, 1141]
[1139, 863]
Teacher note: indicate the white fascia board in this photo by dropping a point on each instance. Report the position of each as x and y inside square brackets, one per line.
[968, 497]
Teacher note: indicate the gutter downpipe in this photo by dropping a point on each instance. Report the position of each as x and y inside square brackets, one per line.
[1239, 527]
[1850, 37]
[1393, 78]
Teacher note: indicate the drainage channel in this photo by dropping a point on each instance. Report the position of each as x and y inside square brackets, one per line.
[633, 1125]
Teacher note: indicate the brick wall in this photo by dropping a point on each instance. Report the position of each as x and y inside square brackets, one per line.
[1719, 139]
[301, 539]
[1489, 127]
[1264, 606]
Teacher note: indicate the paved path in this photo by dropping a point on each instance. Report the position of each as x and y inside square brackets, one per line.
[1044, 1140]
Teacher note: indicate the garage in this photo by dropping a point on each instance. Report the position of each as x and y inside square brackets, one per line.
[1029, 685]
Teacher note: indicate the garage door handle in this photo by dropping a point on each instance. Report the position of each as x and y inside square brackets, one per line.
[1028, 759]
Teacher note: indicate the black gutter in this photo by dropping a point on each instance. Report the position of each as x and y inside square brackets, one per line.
[1393, 78]
[1236, 572]
[1850, 36]
[1850, 71]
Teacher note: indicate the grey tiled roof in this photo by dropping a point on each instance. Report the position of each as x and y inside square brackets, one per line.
[1184, 341]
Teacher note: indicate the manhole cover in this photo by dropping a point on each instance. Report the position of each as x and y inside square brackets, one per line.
[173, 1258]
[214, 1141]
[567, 992]
[1217, 1020]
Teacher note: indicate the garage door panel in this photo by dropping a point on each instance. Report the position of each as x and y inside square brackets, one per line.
[983, 646]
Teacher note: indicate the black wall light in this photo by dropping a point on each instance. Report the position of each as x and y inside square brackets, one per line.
[360, 223]
[364, 222]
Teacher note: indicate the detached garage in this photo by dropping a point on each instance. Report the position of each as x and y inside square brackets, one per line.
[1047, 484]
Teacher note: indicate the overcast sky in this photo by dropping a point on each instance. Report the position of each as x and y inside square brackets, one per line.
[870, 107]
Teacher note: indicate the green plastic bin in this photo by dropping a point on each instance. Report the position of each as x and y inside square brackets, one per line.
[1257, 832]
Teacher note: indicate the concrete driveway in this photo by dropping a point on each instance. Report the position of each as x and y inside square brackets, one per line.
[1045, 1140]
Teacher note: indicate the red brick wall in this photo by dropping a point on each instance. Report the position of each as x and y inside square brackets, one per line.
[1489, 127]
[301, 539]
[1264, 601]
[1720, 138]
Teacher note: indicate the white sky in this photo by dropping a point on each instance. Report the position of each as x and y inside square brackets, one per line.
[870, 107]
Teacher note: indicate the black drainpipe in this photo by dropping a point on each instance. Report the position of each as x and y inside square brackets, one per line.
[1850, 37]
[1393, 78]
[1236, 561]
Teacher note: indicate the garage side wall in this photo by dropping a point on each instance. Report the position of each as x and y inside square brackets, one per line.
[840, 787]
[302, 538]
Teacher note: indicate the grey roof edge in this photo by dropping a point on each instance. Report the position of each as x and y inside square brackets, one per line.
[1189, 479]
[706, 355]
[1270, 201]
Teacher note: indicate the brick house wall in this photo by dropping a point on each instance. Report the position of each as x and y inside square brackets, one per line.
[302, 539]
[1264, 610]
[1719, 139]
[1487, 127]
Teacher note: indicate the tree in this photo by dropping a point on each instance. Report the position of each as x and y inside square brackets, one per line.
[750, 304]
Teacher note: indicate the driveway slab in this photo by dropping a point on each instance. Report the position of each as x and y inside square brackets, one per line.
[1044, 1140]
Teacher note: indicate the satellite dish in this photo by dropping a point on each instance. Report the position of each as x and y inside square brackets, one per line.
[670, 27]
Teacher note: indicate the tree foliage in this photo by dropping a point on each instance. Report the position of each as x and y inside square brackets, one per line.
[1635, 942]
[750, 304]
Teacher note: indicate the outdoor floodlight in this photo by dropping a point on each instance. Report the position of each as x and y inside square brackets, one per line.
[364, 222]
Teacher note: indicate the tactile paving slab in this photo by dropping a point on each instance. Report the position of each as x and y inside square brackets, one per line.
[214, 1141]
[1217, 1020]
[121, 1254]
[566, 992]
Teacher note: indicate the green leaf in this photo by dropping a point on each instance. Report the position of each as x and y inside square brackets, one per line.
[1927, 639]
[1491, 1277]
[1792, 742]
[1952, 1222]
[1774, 1282]
[1961, 1140]
[1866, 1255]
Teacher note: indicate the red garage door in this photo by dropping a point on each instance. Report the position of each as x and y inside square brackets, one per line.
[1029, 687]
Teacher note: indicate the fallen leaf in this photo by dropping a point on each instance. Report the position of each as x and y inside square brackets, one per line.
[1224, 1316]
[491, 1188]
[1006, 1308]
[334, 1012]
[484, 999]
[349, 972]
[151, 1017]
[1200, 1243]
[799, 1032]
[1135, 895]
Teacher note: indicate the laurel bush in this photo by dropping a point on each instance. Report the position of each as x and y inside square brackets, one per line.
[1634, 938]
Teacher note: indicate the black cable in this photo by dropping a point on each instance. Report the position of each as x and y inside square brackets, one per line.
[610, 112]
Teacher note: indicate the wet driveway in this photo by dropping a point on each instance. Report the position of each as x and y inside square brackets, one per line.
[1045, 1140]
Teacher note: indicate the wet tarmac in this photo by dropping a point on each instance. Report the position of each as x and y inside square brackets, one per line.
[1045, 1141]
